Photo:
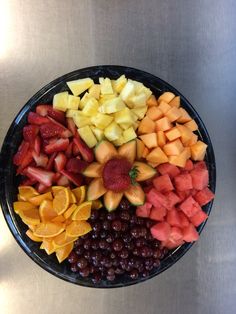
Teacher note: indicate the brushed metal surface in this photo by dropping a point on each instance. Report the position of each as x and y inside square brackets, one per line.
[190, 44]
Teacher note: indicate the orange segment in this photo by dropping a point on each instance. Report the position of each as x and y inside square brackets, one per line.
[33, 237]
[96, 204]
[19, 206]
[59, 218]
[80, 193]
[31, 216]
[56, 189]
[72, 198]
[46, 211]
[61, 201]
[83, 211]
[37, 200]
[63, 252]
[48, 229]
[26, 192]
[78, 228]
[63, 239]
[70, 211]
[48, 246]
[20, 198]
[32, 227]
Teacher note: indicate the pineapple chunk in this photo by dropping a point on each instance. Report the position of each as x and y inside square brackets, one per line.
[125, 126]
[84, 100]
[124, 116]
[104, 98]
[137, 101]
[101, 120]
[113, 131]
[106, 87]
[134, 116]
[119, 84]
[128, 91]
[120, 141]
[88, 136]
[140, 88]
[112, 105]
[79, 86]
[91, 107]
[97, 132]
[60, 101]
[73, 102]
[95, 91]
[129, 134]
[70, 113]
[140, 112]
[81, 120]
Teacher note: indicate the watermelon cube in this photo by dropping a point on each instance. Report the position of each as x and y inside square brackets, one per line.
[169, 169]
[144, 210]
[163, 183]
[188, 165]
[190, 207]
[184, 221]
[176, 234]
[200, 165]
[161, 231]
[190, 234]
[198, 218]
[158, 213]
[172, 198]
[204, 196]
[183, 182]
[173, 218]
[200, 178]
[157, 199]
[183, 194]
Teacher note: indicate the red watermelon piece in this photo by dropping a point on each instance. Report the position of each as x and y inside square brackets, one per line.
[200, 165]
[189, 165]
[184, 221]
[169, 169]
[161, 231]
[200, 178]
[163, 183]
[190, 234]
[157, 199]
[176, 234]
[190, 207]
[183, 182]
[198, 218]
[158, 213]
[203, 197]
[144, 210]
[172, 198]
[173, 218]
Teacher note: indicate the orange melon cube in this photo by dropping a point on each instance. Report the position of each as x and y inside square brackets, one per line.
[153, 164]
[173, 114]
[150, 140]
[161, 138]
[198, 150]
[173, 148]
[164, 107]
[185, 117]
[154, 113]
[186, 133]
[157, 156]
[146, 126]
[181, 159]
[175, 102]
[140, 148]
[192, 125]
[167, 97]
[163, 124]
[152, 101]
[173, 134]
[192, 141]
[145, 152]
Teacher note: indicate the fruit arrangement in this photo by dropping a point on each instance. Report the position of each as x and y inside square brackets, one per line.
[112, 177]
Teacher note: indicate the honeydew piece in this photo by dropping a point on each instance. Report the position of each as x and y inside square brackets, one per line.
[185, 117]
[140, 112]
[81, 120]
[128, 90]
[137, 101]
[113, 105]
[113, 131]
[152, 101]
[146, 126]
[163, 124]
[164, 107]
[119, 84]
[173, 134]
[124, 116]
[95, 90]
[79, 86]
[167, 97]
[157, 156]
[192, 125]
[198, 150]
[173, 148]
[91, 107]
[60, 101]
[175, 102]
[87, 135]
[180, 160]
[73, 102]
[99, 134]
[154, 113]
[173, 114]
[84, 100]
[101, 120]
[161, 138]
[150, 140]
[129, 134]
[106, 87]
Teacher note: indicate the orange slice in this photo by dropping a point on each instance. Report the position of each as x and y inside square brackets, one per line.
[83, 211]
[32, 227]
[63, 252]
[26, 192]
[78, 228]
[68, 221]
[19, 206]
[96, 204]
[61, 201]
[48, 246]
[59, 218]
[72, 197]
[37, 200]
[30, 216]
[80, 194]
[56, 189]
[48, 229]
[63, 239]
[46, 211]
[33, 237]
[20, 198]
[70, 211]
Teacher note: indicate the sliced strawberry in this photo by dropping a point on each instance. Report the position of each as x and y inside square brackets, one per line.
[22, 150]
[28, 182]
[76, 178]
[28, 157]
[65, 133]
[71, 125]
[60, 161]
[69, 149]
[44, 110]
[76, 150]
[30, 132]
[42, 176]
[57, 176]
[76, 165]
[41, 159]
[41, 188]
[37, 145]
[50, 129]
[85, 151]
[51, 161]
[63, 181]
[34, 118]
[58, 146]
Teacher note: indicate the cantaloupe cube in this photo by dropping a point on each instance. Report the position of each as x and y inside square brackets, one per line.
[113, 131]
[175, 102]
[154, 113]
[79, 86]
[152, 101]
[185, 117]
[95, 90]
[140, 112]
[173, 134]
[60, 101]
[173, 114]
[91, 107]
[161, 138]
[198, 150]
[173, 148]
[146, 151]
[180, 160]
[157, 156]
[106, 87]
[146, 126]
[192, 125]
[140, 148]
[88, 136]
[192, 141]
[119, 84]
[163, 124]
[153, 164]
[73, 102]
[129, 134]
[167, 97]
[186, 133]
[150, 140]
[164, 107]
[101, 120]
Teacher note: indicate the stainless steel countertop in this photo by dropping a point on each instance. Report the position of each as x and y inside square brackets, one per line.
[190, 44]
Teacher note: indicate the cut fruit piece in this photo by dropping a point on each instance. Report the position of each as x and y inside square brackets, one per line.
[113, 131]
[129, 134]
[163, 124]
[183, 182]
[48, 229]
[139, 112]
[70, 211]
[158, 213]
[140, 148]
[60, 101]
[154, 113]
[185, 117]
[73, 102]
[112, 200]
[76, 178]
[161, 138]
[146, 126]
[101, 120]
[112, 105]
[186, 133]
[85, 151]
[145, 171]
[161, 231]
[135, 195]
[203, 197]
[198, 150]
[46, 211]
[105, 151]
[97, 132]
[128, 151]
[128, 90]
[173, 148]
[144, 210]
[79, 86]
[173, 134]
[198, 218]
[119, 84]
[19, 206]
[95, 90]
[137, 101]
[26, 192]
[81, 120]
[63, 239]
[80, 194]
[56, 189]
[175, 102]
[163, 183]
[91, 107]
[72, 198]
[41, 175]
[37, 200]
[146, 151]
[164, 107]
[150, 140]
[64, 252]
[190, 233]
[34, 238]
[95, 189]
[167, 97]
[120, 141]
[173, 114]
[87, 135]
[97, 204]
[61, 201]
[83, 211]
[106, 86]
[78, 228]
[58, 145]
[94, 170]
[192, 125]
[30, 216]
[152, 101]
[59, 218]
[76, 165]
[124, 116]
[157, 156]
[181, 159]
[200, 178]
[48, 246]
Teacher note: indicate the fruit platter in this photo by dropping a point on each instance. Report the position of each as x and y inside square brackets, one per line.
[107, 176]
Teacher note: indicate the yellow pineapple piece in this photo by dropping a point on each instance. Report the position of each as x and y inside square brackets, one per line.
[124, 116]
[101, 120]
[84, 100]
[97, 132]
[140, 112]
[113, 131]
[137, 100]
[112, 105]
[125, 126]
[120, 141]
[91, 107]
[81, 120]
[129, 134]
[60, 101]
[79, 86]
[70, 113]
[106, 87]
[128, 90]
[73, 102]
[87, 135]
[95, 91]
[119, 84]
